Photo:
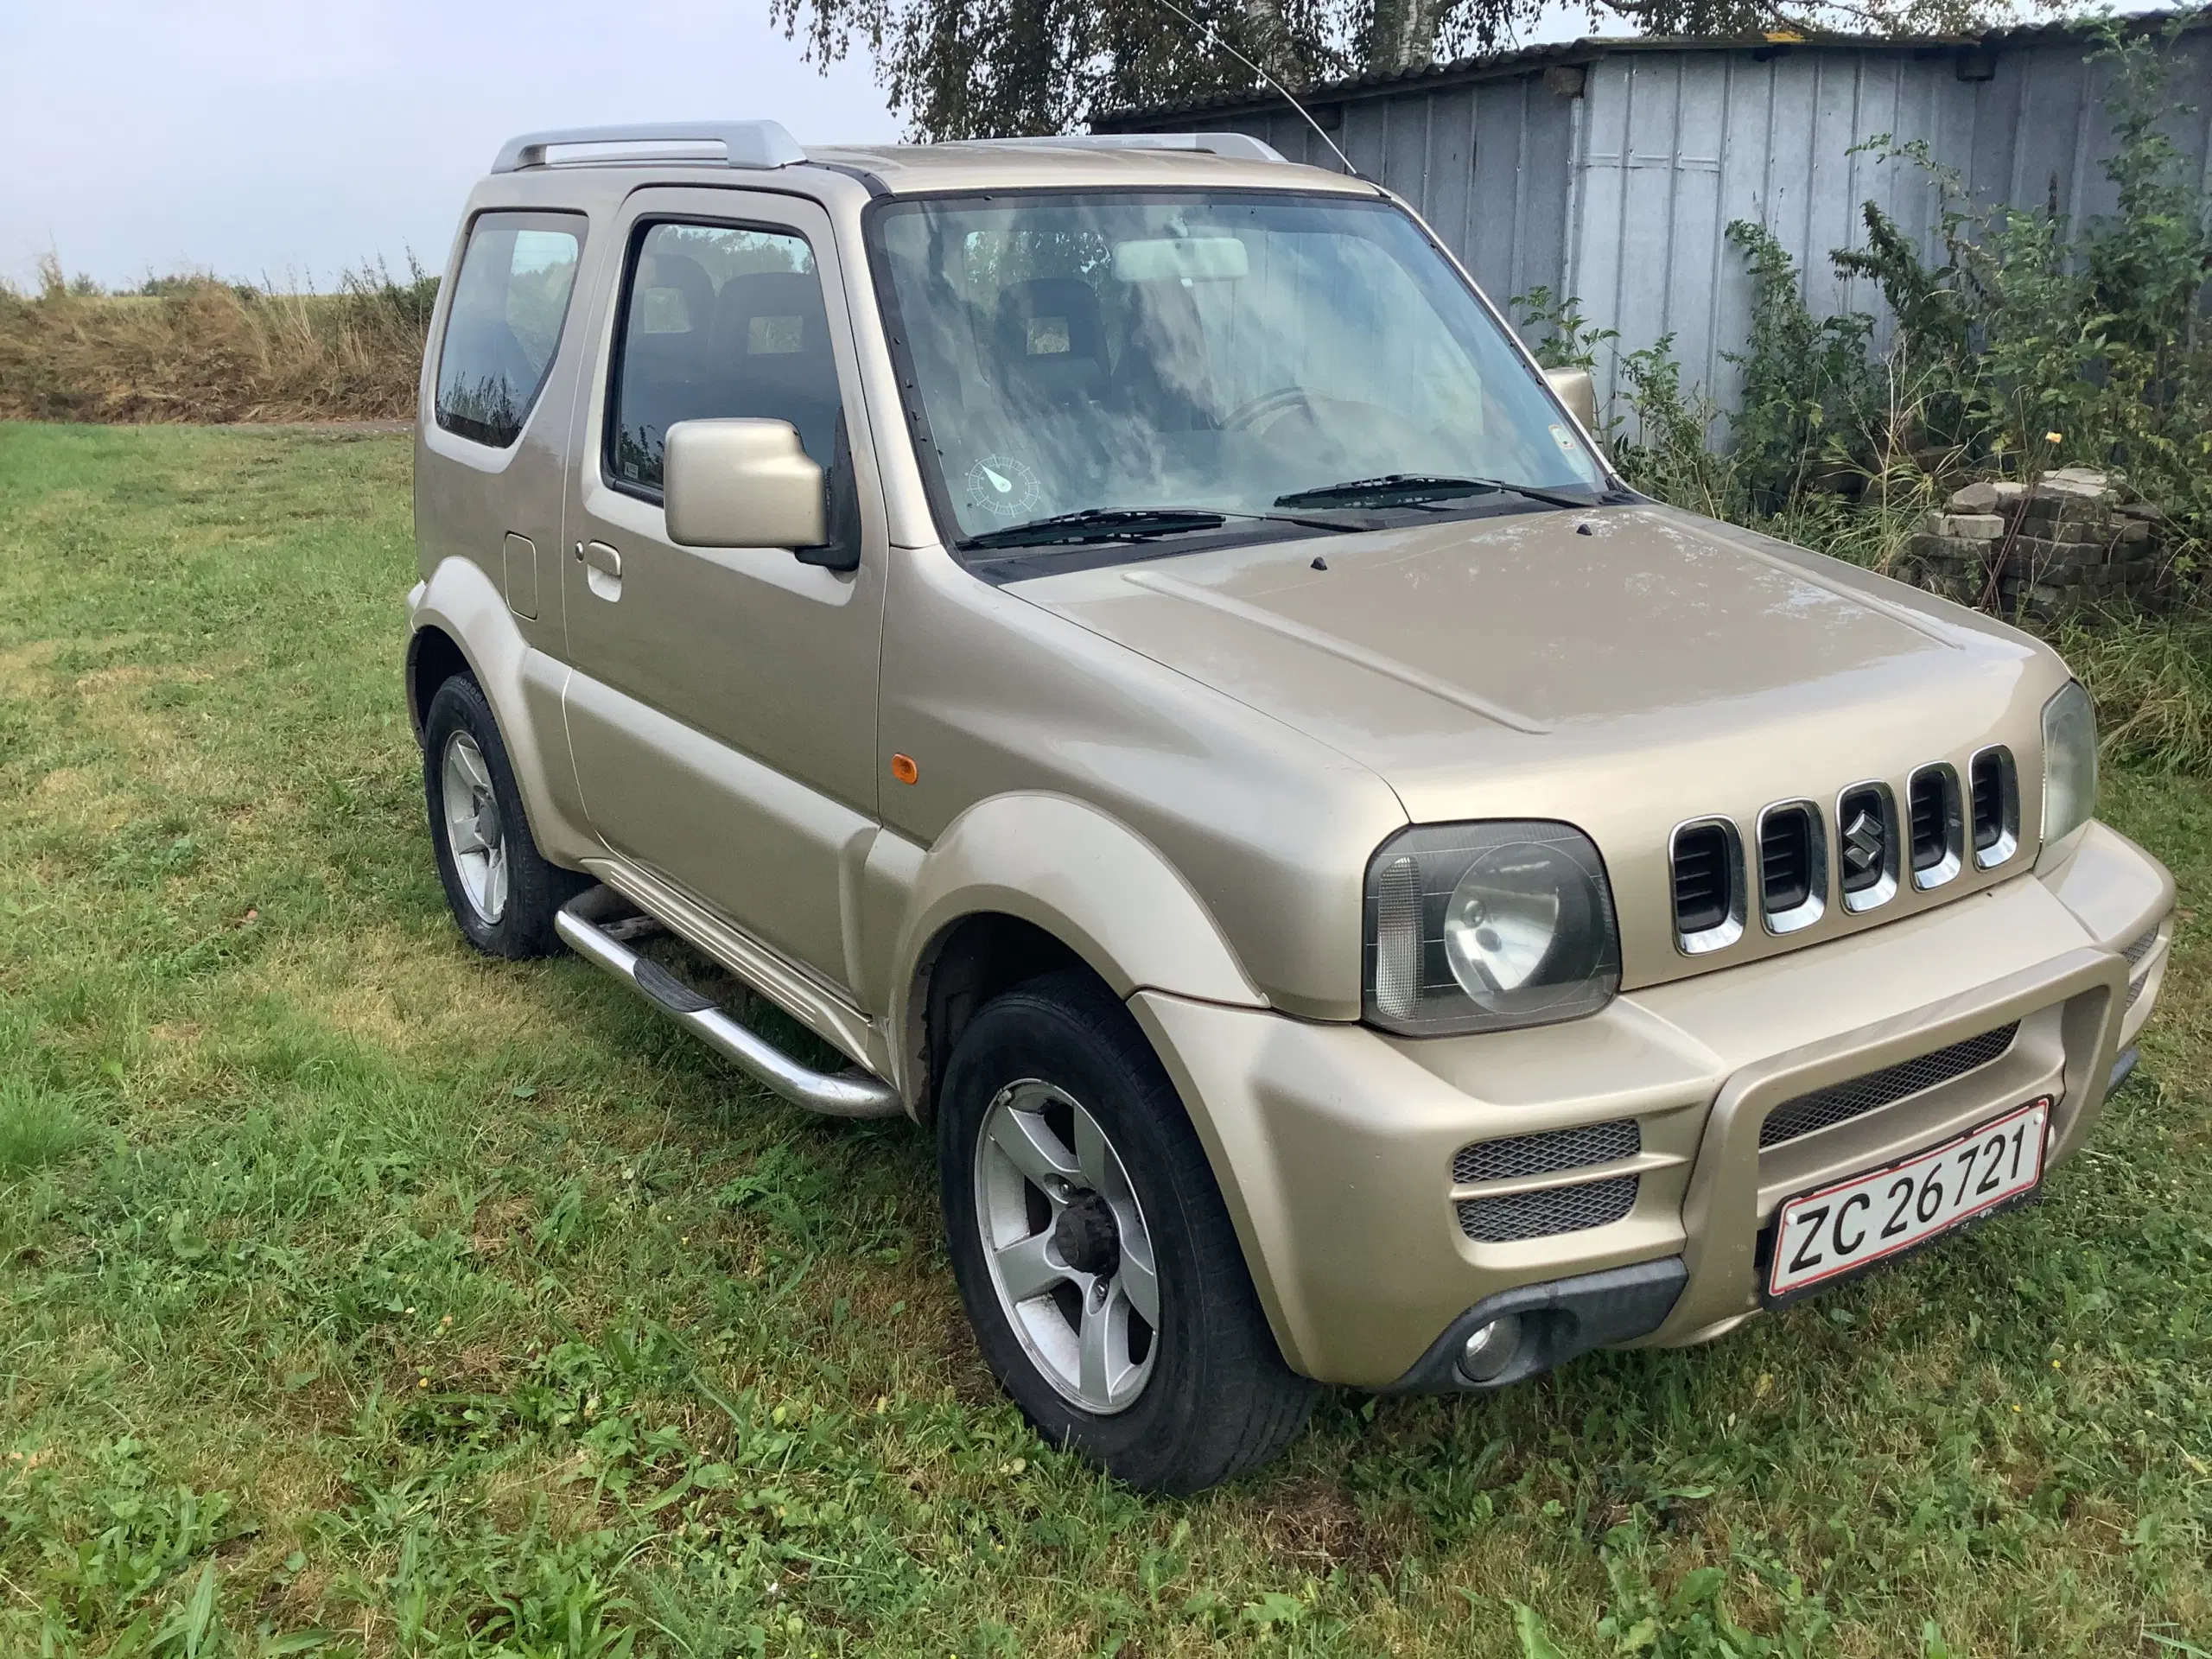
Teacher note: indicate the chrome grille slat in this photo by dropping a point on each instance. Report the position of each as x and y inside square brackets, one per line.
[1541, 1215]
[1548, 1151]
[1786, 859]
[1988, 786]
[1701, 879]
[1927, 807]
[1839, 1103]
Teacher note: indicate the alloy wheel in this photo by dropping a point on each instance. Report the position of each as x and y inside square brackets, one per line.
[1069, 1253]
[473, 831]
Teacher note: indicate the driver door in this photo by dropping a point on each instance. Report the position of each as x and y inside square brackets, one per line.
[722, 710]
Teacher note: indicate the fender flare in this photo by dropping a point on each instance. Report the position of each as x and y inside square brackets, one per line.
[523, 685]
[1085, 878]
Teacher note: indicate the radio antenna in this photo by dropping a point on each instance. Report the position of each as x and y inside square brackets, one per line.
[1281, 91]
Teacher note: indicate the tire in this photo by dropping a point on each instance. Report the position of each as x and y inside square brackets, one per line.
[1171, 1407]
[506, 914]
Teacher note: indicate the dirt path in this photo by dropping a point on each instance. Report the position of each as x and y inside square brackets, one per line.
[331, 429]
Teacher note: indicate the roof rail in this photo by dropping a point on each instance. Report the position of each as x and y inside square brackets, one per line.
[1239, 146]
[744, 143]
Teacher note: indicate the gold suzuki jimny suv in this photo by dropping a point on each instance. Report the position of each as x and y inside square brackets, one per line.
[1117, 639]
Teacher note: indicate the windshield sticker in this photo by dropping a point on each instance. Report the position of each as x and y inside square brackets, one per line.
[1565, 439]
[1004, 487]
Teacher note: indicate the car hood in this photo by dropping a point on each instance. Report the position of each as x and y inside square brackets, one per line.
[1623, 669]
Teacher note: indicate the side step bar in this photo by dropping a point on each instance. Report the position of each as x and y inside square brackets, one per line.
[582, 928]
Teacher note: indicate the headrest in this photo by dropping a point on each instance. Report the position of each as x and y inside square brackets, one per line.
[764, 316]
[1050, 343]
[1048, 317]
[688, 279]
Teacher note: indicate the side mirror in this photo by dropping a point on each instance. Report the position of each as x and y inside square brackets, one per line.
[741, 484]
[1574, 388]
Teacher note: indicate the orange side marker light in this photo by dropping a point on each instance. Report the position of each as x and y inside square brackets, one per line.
[904, 769]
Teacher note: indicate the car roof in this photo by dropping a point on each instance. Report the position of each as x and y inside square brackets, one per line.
[913, 170]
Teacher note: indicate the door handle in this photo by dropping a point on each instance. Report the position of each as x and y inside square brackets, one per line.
[602, 569]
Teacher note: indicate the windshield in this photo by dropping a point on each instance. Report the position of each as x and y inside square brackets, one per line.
[1259, 356]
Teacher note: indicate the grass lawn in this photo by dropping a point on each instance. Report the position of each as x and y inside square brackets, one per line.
[357, 1290]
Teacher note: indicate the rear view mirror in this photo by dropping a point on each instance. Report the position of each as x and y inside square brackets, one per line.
[1574, 388]
[1181, 259]
[741, 484]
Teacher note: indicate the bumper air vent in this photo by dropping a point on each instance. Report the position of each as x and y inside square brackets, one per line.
[1793, 867]
[1709, 875]
[1866, 846]
[2134, 954]
[1541, 1215]
[1994, 788]
[1825, 1108]
[1936, 825]
[1545, 1153]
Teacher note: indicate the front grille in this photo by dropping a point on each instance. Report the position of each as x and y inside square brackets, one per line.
[2135, 992]
[1930, 812]
[1786, 859]
[1863, 839]
[1705, 879]
[1542, 1154]
[1987, 783]
[2140, 948]
[1540, 1215]
[1824, 1107]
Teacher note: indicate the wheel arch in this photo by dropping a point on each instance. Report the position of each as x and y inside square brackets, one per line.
[1020, 884]
[433, 658]
[460, 622]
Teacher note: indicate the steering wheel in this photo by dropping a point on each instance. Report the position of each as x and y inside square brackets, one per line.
[1256, 415]
[1344, 416]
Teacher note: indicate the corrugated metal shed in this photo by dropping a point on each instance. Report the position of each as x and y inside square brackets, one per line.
[1610, 169]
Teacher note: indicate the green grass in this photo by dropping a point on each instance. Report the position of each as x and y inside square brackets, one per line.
[355, 1288]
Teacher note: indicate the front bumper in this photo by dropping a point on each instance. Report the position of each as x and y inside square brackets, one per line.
[1335, 1144]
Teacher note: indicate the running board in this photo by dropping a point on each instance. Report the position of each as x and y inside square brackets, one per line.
[585, 928]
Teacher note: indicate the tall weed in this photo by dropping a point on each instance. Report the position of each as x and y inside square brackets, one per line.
[193, 348]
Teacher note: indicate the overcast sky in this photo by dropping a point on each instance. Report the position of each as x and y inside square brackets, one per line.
[291, 139]
[272, 137]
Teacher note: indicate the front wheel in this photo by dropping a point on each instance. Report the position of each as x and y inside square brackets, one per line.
[1096, 1259]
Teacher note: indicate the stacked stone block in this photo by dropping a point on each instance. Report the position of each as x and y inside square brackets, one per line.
[2070, 541]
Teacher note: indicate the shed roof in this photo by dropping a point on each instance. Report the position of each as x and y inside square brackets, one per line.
[1495, 65]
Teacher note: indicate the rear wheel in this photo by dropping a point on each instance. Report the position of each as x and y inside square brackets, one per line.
[1096, 1259]
[501, 892]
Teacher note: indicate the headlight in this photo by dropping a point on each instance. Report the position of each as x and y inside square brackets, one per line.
[1483, 926]
[2069, 763]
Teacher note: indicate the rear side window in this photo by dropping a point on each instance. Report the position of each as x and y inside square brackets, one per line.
[508, 305]
[720, 322]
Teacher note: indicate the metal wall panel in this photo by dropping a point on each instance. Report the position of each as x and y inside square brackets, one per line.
[1682, 143]
[1623, 195]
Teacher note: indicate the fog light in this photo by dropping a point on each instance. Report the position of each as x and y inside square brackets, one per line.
[1490, 1348]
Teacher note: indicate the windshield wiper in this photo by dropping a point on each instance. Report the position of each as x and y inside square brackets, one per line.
[1413, 489]
[1127, 525]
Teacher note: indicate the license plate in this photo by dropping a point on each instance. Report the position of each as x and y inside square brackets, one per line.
[1823, 1235]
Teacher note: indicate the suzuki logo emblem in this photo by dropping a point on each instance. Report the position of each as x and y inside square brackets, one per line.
[1862, 843]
